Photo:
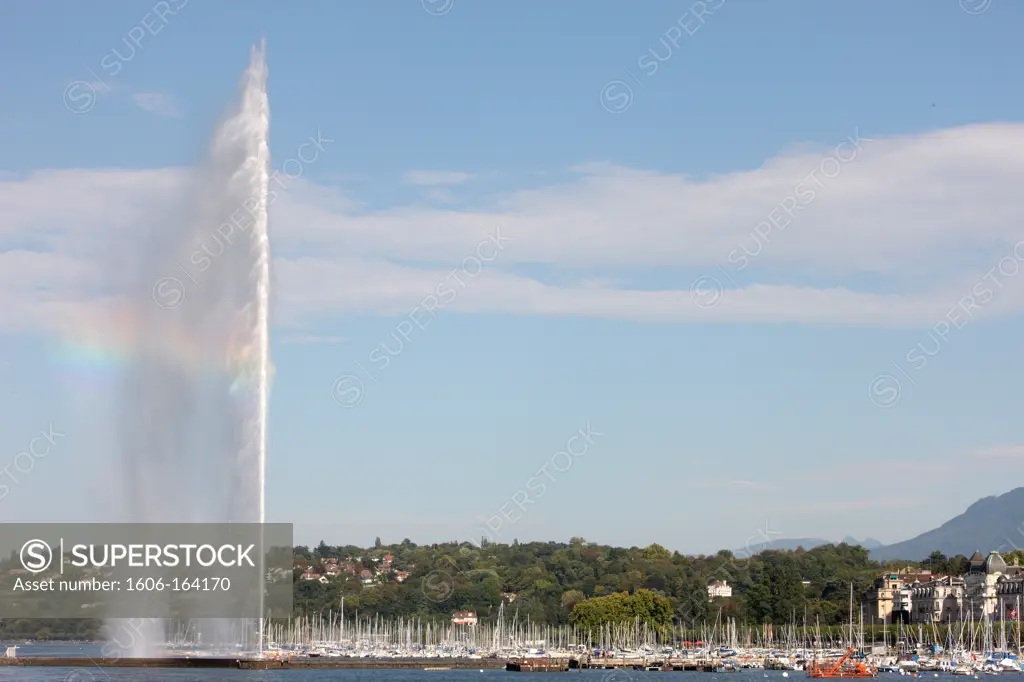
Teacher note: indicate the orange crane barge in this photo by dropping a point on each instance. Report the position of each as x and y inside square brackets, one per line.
[845, 667]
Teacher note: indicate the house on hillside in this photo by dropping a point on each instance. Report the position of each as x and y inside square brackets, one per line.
[313, 575]
[718, 588]
[464, 618]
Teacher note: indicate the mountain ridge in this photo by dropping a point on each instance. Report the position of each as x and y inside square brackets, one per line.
[993, 523]
[789, 544]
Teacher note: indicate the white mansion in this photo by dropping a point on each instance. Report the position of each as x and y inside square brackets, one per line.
[990, 589]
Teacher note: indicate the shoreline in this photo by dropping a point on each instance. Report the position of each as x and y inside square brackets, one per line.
[295, 662]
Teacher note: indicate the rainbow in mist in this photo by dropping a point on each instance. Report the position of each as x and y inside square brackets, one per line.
[189, 346]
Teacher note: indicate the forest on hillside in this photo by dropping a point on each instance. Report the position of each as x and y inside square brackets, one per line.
[549, 579]
[575, 583]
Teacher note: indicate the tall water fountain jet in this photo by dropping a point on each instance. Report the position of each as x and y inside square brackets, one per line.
[192, 405]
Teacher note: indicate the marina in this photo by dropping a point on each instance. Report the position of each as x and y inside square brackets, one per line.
[804, 664]
[342, 640]
[856, 662]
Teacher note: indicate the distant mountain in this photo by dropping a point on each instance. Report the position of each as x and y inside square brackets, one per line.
[807, 543]
[991, 523]
[783, 544]
[866, 543]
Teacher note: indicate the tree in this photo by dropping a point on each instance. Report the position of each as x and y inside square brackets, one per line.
[936, 562]
[958, 565]
[652, 609]
[656, 552]
[572, 597]
[691, 605]
[377, 543]
[757, 602]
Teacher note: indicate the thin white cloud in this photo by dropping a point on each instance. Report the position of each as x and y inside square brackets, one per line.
[158, 103]
[902, 204]
[430, 178]
[749, 484]
[440, 195]
[896, 237]
[838, 503]
[312, 339]
[936, 469]
[1003, 452]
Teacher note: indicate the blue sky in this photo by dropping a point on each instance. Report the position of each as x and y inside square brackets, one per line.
[782, 394]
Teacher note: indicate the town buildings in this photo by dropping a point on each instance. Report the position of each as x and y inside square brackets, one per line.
[889, 600]
[990, 589]
[382, 571]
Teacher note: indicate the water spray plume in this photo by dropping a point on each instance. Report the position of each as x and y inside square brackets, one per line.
[193, 398]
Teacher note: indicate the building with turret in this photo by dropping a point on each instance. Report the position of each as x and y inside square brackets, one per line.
[990, 589]
[981, 585]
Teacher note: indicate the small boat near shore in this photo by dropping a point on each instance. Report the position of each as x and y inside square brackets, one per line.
[844, 667]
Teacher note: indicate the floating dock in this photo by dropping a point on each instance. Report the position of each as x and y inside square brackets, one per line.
[708, 665]
[327, 662]
[537, 665]
[285, 663]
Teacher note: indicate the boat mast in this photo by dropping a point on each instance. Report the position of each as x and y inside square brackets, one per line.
[861, 636]
[1002, 626]
[851, 613]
